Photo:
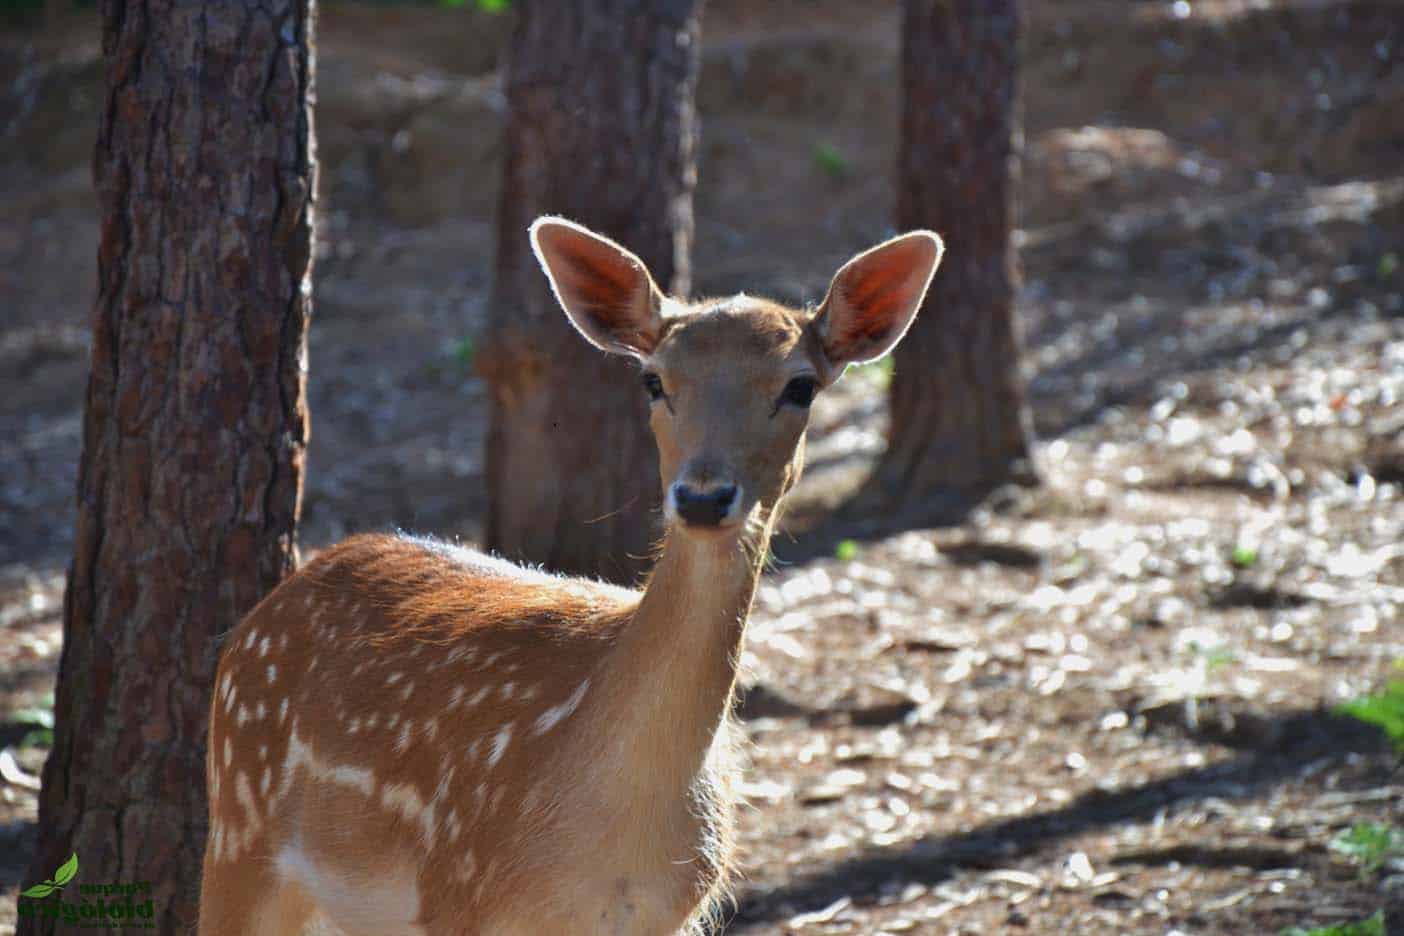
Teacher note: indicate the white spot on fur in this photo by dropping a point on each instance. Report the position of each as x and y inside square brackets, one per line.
[359, 778]
[228, 752]
[272, 672]
[244, 793]
[499, 744]
[402, 745]
[249, 640]
[507, 689]
[388, 902]
[554, 715]
[264, 645]
[243, 715]
[300, 755]
[404, 799]
[283, 710]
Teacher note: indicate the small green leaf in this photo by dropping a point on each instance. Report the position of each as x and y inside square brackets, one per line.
[1217, 657]
[878, 372]
[463, 351]
[828, 158]
[42, 738]
[1387, 265]
[494, 6]
[847, 550]
[1384, 709]
[1245, 557]
[1370, 845]
[66, 871]
[1374, 926]
[38, 890]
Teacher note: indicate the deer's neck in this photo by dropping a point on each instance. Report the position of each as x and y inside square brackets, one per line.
[671, 674]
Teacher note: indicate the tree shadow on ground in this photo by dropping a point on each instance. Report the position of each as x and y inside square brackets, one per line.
[1299, 742]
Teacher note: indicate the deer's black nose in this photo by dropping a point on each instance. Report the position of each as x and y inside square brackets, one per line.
[703, 508]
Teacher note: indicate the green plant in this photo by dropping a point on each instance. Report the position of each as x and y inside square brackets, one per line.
[1244, 557]
[846, 550]
[1213, 657]
[463, 351]
[1374, 926]
[1384, 708]
[40, 738]
[61, 877]
[1370, 844]
[487, 6]
[41, 715]
[828, 158]
[878, 373]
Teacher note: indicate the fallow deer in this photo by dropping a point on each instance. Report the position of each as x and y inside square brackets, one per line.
[410, 737]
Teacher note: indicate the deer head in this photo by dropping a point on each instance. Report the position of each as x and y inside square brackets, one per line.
[731, 381]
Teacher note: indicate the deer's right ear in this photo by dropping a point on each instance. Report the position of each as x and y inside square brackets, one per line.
[605, 290]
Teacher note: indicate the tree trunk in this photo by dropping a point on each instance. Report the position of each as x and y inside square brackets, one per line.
[960, 424]
[601, 131]
[195, 425]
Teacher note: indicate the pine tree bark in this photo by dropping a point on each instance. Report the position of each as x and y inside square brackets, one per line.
[195, 424]
[601, 130]
[960, 423]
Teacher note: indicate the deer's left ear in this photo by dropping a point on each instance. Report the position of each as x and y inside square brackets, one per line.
[873, 299]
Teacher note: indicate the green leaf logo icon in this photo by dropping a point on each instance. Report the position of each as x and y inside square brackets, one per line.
[61, 877]
[66, 871]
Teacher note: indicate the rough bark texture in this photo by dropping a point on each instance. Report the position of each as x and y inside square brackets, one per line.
[960, 424]
[601, 131]
[195, 424]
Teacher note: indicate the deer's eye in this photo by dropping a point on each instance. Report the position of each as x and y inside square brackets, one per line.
[653, 384]
[800, 391]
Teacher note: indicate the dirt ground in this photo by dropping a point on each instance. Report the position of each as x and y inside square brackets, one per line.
[1101, 706]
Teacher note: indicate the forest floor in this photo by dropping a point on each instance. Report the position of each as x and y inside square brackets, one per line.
[1104, 705]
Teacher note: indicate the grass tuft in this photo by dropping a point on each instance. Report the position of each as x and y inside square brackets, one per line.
[1374, 926]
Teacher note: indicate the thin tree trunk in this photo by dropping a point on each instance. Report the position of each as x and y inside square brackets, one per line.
[960, 423]
[195, 424]
[601, 131]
